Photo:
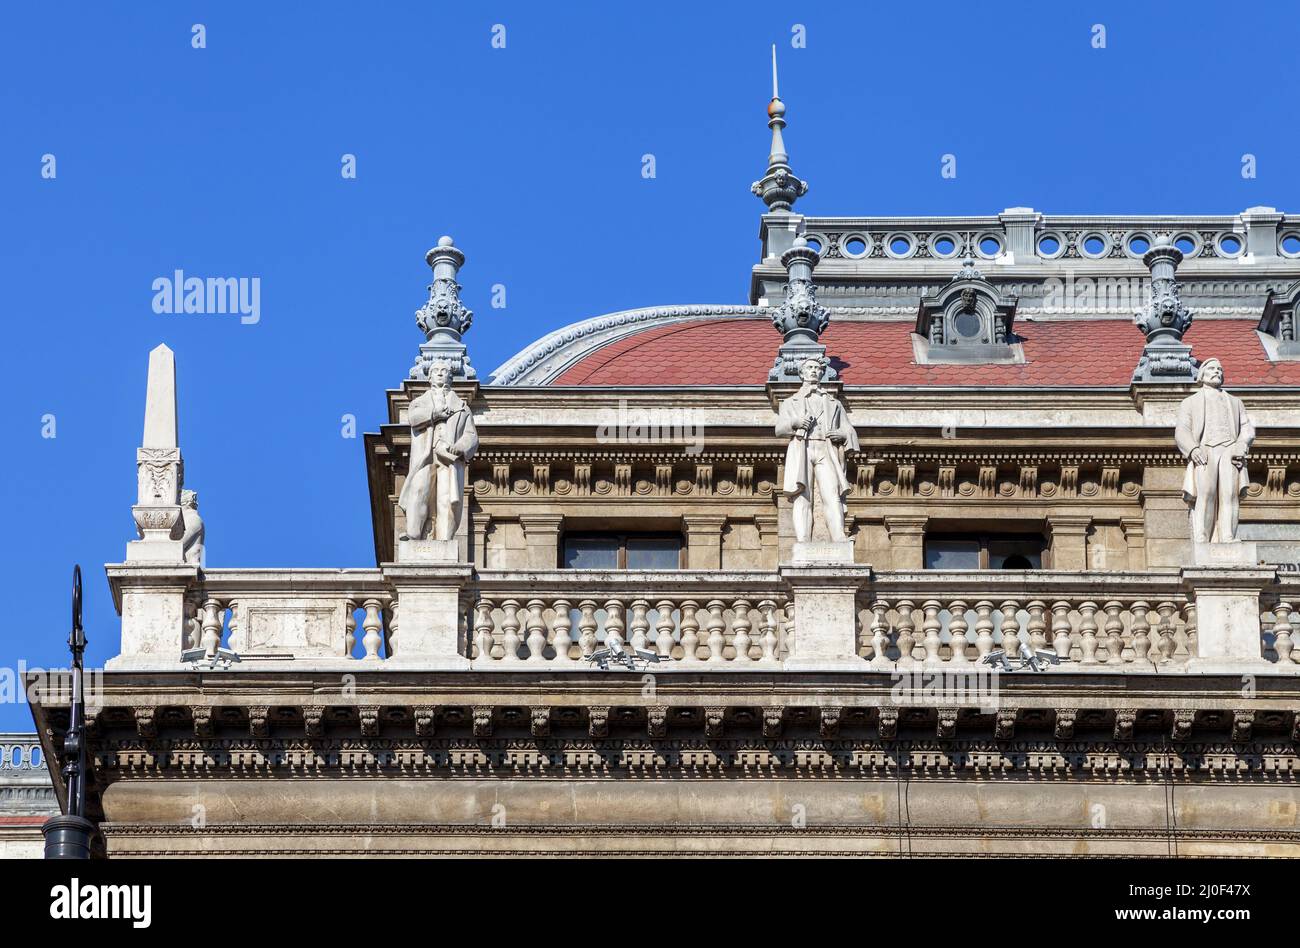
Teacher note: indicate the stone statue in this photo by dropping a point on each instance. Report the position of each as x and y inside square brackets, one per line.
[1214, 433]
[443, 438]
[820, 433]
[192, 538]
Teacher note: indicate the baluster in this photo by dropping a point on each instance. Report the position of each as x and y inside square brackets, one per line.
[372, 625]
[212, 616]
[906, 627]
[1114, 632]
[614, 625]
[1061, 628]
[536, 631]
[1037, 624]
[562, 622]
[664, 628]
[716, 624]
[233, 625]
[930, 625]
[483, 629]
[640, 625]
[1189, 614]
[1088, 626]
[393, 622]
[1181, 635]
[958, 626]
[1141, 625]
[983, 628]
[587, 627]
[741, 625]
[1282, 632]
[1011, 627]
[690, 631]
[349, 627]
[1167, 644]
[510, 640]
[785, 635]
[879, 632]
[767, 609]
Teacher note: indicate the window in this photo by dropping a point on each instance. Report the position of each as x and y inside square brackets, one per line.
[622, 551]
[984, 551]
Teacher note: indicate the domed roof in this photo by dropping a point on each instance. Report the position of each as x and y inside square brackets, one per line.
[722, 349]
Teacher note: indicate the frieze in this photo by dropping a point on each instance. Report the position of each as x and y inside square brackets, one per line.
[1237, 758]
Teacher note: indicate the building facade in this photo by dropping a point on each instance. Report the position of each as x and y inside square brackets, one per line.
[26, 797]
[606, 632]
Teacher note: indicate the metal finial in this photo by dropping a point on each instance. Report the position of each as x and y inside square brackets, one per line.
[779, 188]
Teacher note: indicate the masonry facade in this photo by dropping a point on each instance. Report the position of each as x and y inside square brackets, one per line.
[623, 648]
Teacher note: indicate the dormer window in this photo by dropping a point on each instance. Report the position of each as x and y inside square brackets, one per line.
[967, 322]
[1277, 327]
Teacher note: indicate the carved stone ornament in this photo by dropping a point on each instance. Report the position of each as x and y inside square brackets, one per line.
[1164, 320]
[800, 318]
[443, 318]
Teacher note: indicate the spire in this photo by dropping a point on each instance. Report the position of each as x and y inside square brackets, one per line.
[779, 188]
[443, 318]
[1164, 320]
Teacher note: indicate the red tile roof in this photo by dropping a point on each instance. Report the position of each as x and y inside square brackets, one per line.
[1080, 352]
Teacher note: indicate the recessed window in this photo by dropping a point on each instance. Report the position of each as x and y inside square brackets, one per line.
[815, 243]
[944, 246]
[1291, 245]
[900, 246]
[1049, 246]
[984, 551]
[990, 246]
[1138, 246]
[1094, 245]
[1185, 243]
[1230, 245]
[855, 246]
[622, 551]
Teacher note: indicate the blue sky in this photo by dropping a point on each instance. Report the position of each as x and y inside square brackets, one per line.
[225, 161]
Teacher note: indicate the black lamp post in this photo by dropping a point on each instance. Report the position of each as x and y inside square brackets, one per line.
[68, 836]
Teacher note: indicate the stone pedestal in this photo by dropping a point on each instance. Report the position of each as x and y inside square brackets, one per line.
[825, 615]
[1227, 612]
[822, 551]
[1240, 553]
[431, 612]
[151, 602]
[428, 551]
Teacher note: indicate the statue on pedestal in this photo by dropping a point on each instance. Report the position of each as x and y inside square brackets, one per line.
[820, 433]
[1214, 433]
[443, 438]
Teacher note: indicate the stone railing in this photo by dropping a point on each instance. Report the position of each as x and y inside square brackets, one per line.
[293, 614]
[1034, 238]
[1278, 620]
[1088, 619]
[711, 619]
[832, 617]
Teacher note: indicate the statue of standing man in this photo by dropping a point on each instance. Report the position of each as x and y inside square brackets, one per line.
[443, 438]
[820, 433]
[1214, 433]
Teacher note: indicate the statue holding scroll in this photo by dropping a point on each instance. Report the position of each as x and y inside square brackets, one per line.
[443, 438]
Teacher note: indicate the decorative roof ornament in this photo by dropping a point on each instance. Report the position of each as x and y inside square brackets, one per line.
[800, 318]
[443, 318]
[967, 321]
[779, 188]
[1164, 320]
